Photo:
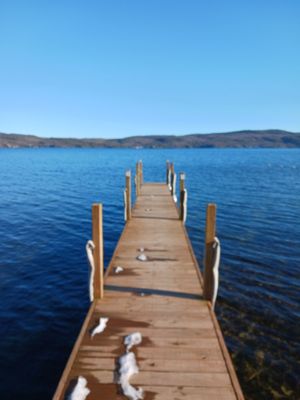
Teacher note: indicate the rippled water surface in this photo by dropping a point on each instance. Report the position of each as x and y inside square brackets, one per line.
[45, 220]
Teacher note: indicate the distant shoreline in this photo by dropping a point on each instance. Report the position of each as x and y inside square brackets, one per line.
[271, 138]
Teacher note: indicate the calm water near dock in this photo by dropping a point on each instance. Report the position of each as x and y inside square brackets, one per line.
[45, 221]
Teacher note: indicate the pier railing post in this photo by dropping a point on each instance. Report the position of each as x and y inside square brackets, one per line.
[182, 194]
[210, 234]
[141, 172]
[171, 177]
[128, 195]
[167, 171]
[97, 220]
[137, 179]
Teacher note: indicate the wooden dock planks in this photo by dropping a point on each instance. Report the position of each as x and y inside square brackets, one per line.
[182, 354]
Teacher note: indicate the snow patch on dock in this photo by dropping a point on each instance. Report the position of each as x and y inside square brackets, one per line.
[132, 340]
[80, 391]
[142, 257]
[128, 368]
[100, 327]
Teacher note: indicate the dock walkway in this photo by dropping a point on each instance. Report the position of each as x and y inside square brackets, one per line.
[182, 354]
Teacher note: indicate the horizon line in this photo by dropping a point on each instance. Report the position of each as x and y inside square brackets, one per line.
[149, 135]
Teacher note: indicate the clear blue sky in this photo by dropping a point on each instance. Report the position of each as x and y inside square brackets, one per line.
[122, 68]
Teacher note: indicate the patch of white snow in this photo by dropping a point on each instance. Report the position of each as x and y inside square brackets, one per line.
[142, 257]
[80, 391]
[100, 327]
[132, 340]
[128, 367]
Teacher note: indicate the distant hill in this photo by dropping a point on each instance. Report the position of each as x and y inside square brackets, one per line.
[239, 139]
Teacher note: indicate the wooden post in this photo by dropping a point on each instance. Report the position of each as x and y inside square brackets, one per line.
[172, 167]
[128, 195]
[182, 182]
[210, 234]
[141, 173]
[167, 171]
[98, 251]
[137, 179]
[171, 176]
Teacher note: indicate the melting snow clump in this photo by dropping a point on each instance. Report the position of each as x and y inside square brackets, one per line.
[80, 391]
[142, 257]
[100, 328]
[132, 340]
[118, 270]
[128, 367]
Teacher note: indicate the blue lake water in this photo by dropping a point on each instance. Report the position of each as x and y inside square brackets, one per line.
[45, 221]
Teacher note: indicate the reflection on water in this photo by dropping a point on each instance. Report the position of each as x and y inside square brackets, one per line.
[45, 209]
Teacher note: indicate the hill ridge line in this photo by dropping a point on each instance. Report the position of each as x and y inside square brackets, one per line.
[269, 138]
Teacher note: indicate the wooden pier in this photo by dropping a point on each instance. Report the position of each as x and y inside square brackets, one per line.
[182, 354]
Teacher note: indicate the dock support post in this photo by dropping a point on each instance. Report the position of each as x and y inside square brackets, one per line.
[167, 171]
[171, 175]
[173, 186]
[182, 195]
[141, 173]
[128, 196]
[210, 233]
[137, 179]
[97, 220]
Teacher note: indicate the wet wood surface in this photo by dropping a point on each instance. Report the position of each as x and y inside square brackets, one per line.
[182, 354]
